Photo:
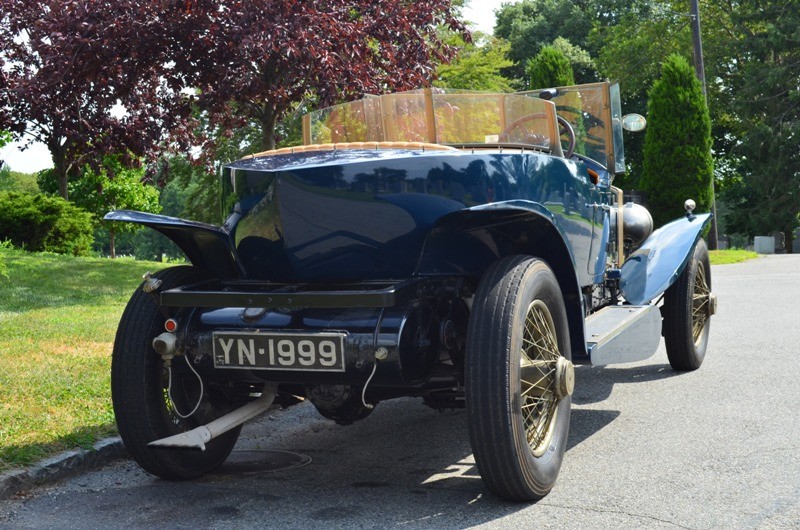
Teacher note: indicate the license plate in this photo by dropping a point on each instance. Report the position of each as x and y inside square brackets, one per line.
[314, 352]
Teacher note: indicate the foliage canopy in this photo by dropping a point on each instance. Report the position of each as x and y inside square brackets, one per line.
[88, 79]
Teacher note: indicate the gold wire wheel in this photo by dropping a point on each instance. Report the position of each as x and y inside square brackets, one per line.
[702, 302]
[546, 377]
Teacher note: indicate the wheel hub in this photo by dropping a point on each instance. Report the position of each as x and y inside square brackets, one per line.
[712, 304]
[565, 378]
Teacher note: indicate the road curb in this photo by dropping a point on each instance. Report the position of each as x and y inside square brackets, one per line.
[61, 466]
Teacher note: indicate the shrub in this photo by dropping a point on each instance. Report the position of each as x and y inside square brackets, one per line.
[677, 144]
[550, 68]
[41, 223]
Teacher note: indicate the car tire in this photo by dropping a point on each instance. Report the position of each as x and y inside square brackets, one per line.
[688, 306]
[139, 379]
[519, 378]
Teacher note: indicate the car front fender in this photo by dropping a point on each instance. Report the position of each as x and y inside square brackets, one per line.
[206, 246]
[655, 266]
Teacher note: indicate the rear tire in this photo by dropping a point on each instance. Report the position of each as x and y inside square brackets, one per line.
[519, 378]
[139, 378]
[688, 306]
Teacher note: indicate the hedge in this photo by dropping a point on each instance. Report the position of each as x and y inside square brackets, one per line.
[41, 223]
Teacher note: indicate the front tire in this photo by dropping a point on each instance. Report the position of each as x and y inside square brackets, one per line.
[519, 378]
[139, 381]
[688, 306]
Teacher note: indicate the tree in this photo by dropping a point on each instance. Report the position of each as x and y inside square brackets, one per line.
[530, 25]
[677, 144]
[764, 193]
[114, 186]
[550, 68]
[477, 68]
[67, 65]
[264, 56]
[16, 181]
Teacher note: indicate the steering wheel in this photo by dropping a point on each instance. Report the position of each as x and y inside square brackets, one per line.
[534, 138]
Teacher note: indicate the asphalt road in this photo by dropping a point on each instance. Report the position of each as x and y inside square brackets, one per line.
[648, 448]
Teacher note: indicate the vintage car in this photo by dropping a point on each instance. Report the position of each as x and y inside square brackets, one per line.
[464, 248]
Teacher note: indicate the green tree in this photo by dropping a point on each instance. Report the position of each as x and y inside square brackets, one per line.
[763, 193]
[113, 187]
[677, 145]
[477, 67]
[16, 181]
[550, 68]
[530, 25]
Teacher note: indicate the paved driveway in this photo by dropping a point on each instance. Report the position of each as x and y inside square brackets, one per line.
[716, 448]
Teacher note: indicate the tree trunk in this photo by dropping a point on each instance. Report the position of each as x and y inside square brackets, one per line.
[59, 154]
[268, 119]
[111, 234]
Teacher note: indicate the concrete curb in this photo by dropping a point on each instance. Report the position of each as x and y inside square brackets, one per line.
[61, 466]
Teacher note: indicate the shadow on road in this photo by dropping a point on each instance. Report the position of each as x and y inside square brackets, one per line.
[595, 383]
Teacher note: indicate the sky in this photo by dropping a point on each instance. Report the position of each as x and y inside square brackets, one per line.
[479, 12]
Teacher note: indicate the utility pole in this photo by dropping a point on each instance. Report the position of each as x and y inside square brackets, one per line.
[697, 41]
[700, 72]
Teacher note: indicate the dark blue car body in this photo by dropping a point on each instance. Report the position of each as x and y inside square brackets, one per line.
[346, 270]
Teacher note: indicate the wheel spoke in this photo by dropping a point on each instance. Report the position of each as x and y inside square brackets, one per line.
[700, 302]
[538, 359]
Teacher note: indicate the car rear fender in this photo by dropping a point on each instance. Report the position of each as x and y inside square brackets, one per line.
[466, 242]
[206, 246]
[655, 266]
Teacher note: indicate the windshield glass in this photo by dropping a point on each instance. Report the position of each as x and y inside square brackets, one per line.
[437, 116]
[465, 118]
[589, 108]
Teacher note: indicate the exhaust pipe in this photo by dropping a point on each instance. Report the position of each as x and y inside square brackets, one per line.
[198, 438]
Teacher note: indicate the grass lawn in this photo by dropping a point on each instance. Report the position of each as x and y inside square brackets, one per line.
[725, 257]
[58, 317]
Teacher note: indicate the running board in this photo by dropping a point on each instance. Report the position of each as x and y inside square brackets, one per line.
[623, 334]
[198, 437]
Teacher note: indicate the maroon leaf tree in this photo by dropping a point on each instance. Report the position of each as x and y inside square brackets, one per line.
[253, 60]
[87, 78]
[93, 77]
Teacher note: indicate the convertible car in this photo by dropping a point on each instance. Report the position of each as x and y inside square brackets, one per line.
[464, 248]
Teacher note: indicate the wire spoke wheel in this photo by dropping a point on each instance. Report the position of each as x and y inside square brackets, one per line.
[688, 307]
[519, 378]
[701, 302]
[539, 376]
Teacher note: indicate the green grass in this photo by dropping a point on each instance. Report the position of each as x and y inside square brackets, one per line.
[725, 257]
[58, 316]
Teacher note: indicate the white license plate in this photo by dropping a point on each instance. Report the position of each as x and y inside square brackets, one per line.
[315, 352]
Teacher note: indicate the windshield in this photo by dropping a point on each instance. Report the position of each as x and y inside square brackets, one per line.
[473, 119]
[444, 117]
[594, 111]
